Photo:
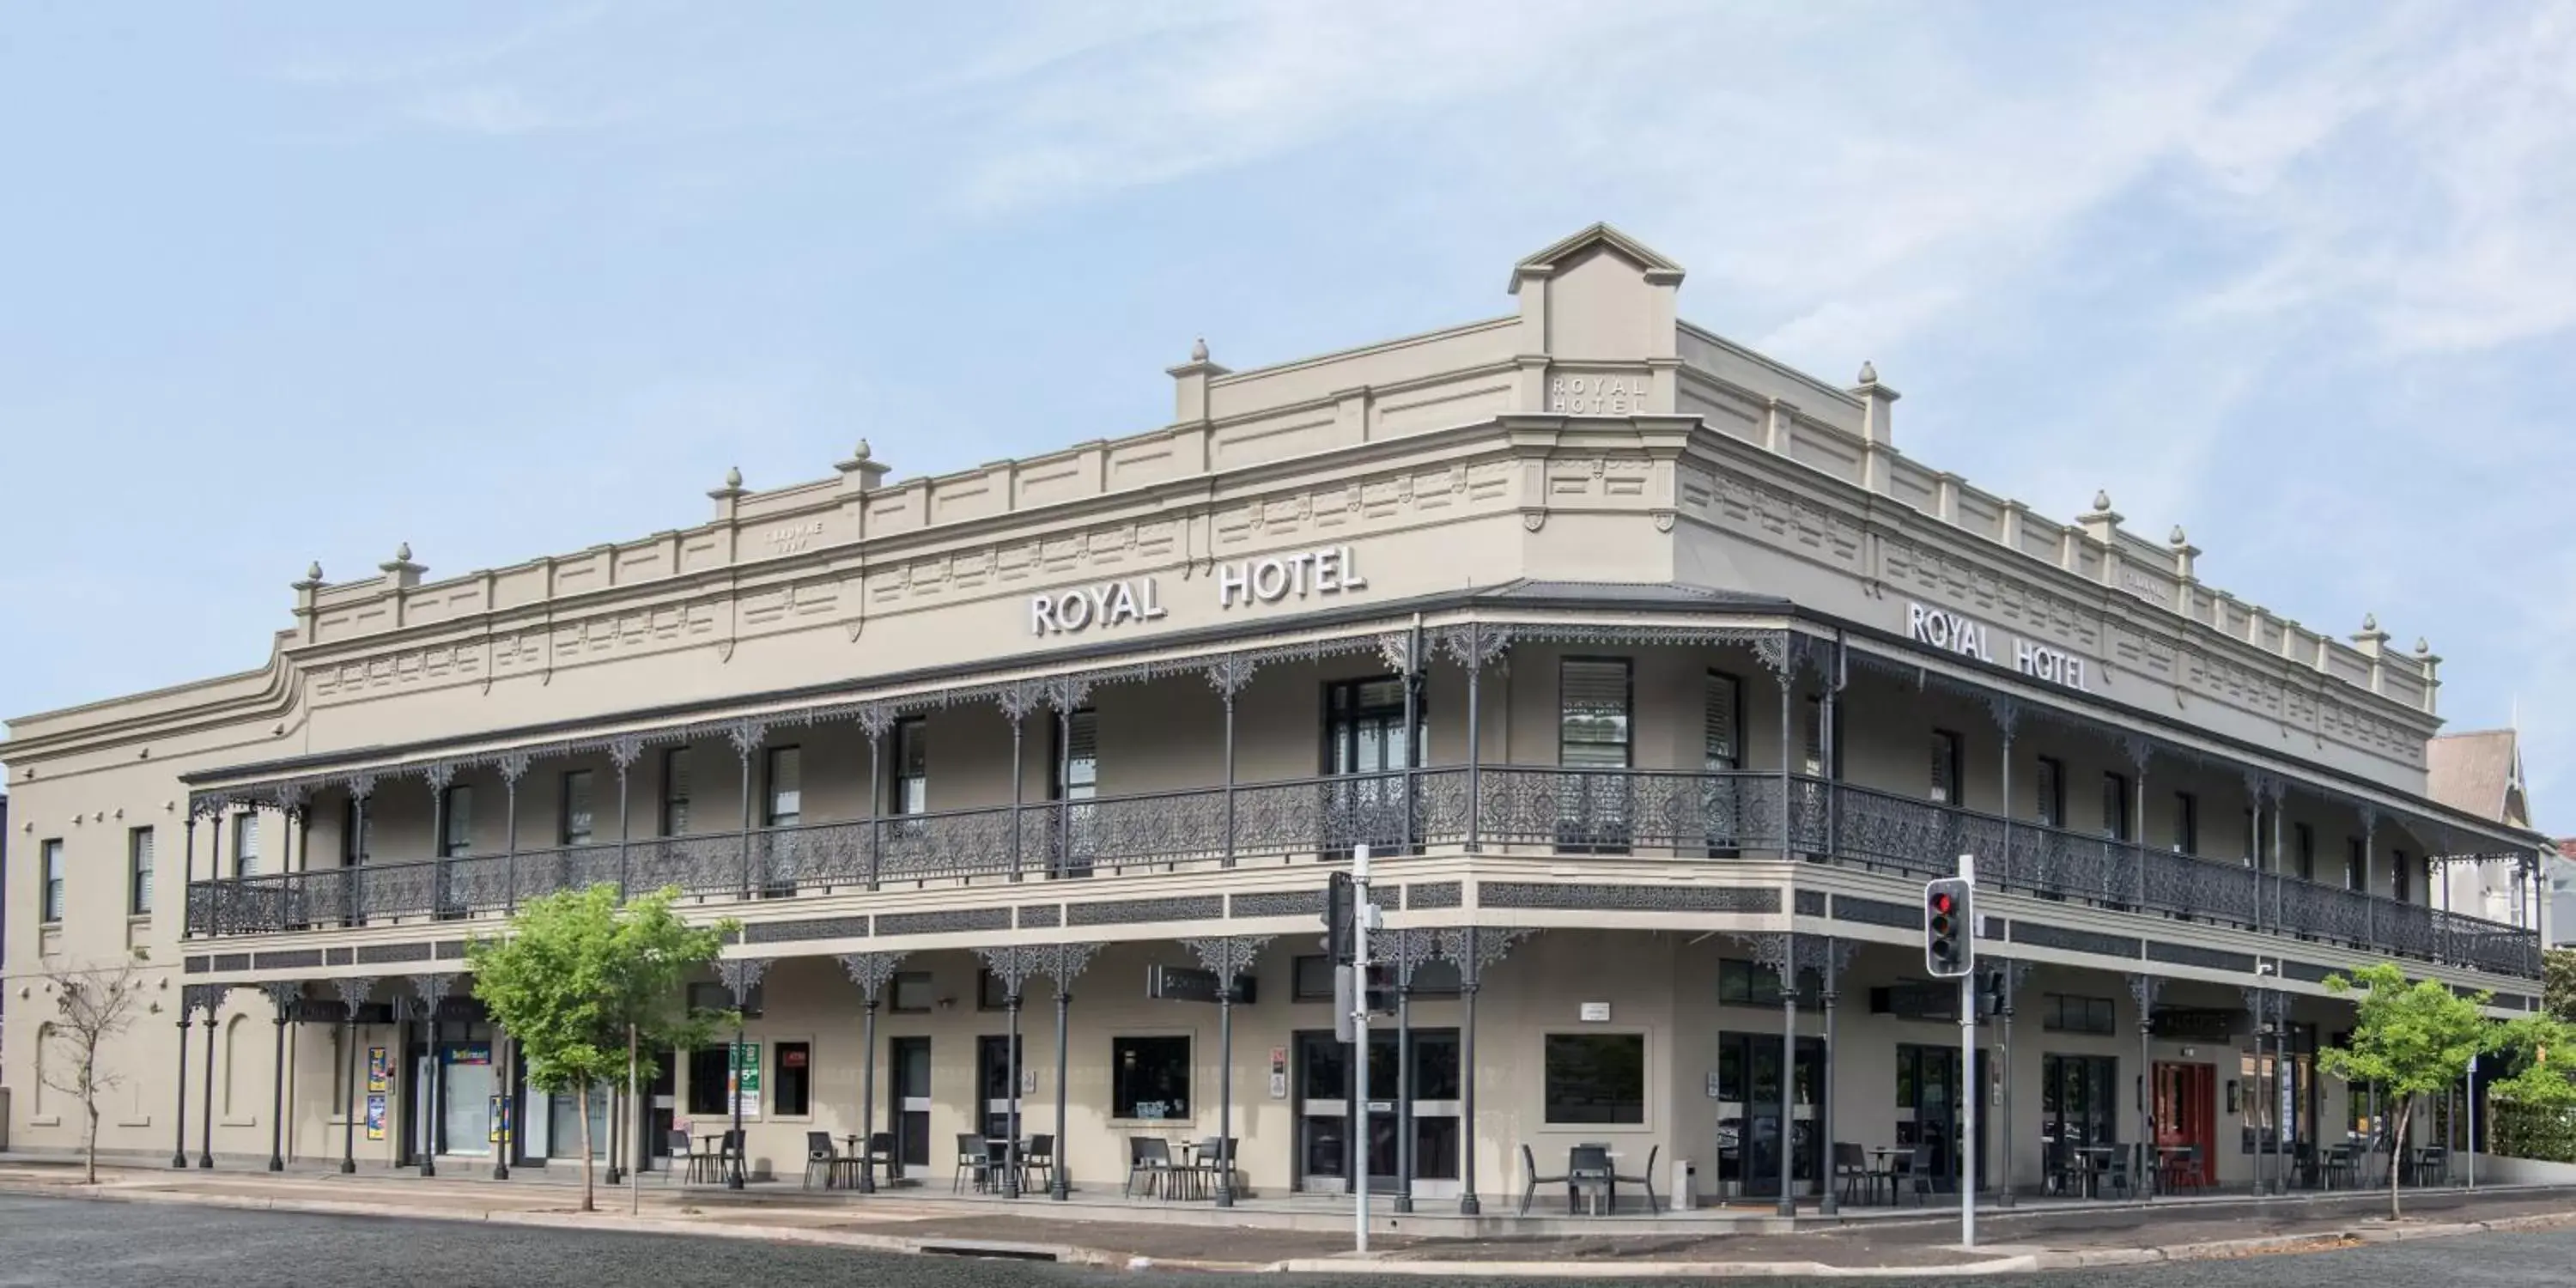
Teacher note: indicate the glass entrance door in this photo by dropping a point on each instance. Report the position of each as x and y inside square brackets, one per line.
[1364, 750]
[908, 1100]
[563, 1124]
[994, 1093]
[1749, 1109]
[1323, 1113]
[467, 1085]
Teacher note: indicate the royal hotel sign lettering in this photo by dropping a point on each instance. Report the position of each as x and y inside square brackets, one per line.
[1322, 573]
[1951, 633]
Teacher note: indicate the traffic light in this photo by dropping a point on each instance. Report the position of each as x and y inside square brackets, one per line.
[1339, 941]
[1381, 988]
[1949, 934]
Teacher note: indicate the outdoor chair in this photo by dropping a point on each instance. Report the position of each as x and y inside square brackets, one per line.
[729, 1160]
[1149, 1158]
[975, 1159]
[1531, 1180]
[684, 1150]
[1038, 1159]
[2181, 1171]
[1853, 1172]
[1587, 1169]
[2338, 1166]
[880, 1152]
[820, 1155]
[1645, 1178]
[2116, 1175]
[1213, 1166]
[1914, 1172]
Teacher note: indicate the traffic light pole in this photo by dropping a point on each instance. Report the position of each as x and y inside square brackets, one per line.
[1359, 1129]
[1971, 1092]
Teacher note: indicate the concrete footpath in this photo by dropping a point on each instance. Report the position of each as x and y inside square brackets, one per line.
[1913, 1244]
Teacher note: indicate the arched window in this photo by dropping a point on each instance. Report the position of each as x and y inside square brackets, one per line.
[237, 1097]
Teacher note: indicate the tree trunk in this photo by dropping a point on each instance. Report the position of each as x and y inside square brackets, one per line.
[89, 1150]
[2397, 1152]
[586, 1204]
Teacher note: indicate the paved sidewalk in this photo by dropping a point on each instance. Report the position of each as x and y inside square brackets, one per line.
[1925, 1244]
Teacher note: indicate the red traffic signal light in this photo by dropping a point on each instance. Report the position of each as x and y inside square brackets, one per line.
[1949, 947]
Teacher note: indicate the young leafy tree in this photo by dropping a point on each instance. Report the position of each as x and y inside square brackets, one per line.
[90, 1009]
[575, 974]
[2558, 983]
[2413, 1039]
[2543, 1048]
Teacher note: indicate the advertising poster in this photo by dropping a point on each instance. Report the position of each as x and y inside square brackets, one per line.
[375, 1115]
[499, 1132]
[379, 1070]
[743, 1080]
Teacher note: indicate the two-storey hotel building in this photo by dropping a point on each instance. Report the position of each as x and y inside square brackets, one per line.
[1656, 678]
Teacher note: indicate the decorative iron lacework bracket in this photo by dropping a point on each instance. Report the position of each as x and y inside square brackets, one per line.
[1229, 674]
[1826, 956]
[1404, 951]
[1777, 950]
[1474, 645]
[283, 994]
[202, 998]
[2143, 989]
[431, 988]
[624, 752]
[741, 975]
[1012, 965]
[1065, 963]
[354, 992]
[870, 971]
[1479, 948]
[1227, 956]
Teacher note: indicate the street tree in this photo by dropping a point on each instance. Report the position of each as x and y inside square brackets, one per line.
[582, 984]
[2413, 1038]
[2542, 1048]
[90, 1009]
[2558, 983]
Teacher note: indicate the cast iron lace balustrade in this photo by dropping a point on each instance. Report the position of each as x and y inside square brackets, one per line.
[1643, 814]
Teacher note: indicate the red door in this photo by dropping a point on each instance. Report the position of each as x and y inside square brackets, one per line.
[2187, 1115]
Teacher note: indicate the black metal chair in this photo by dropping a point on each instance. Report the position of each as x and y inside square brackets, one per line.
[1851, 1171]
[1149, 1158]
[1587, 1167]
[1531, 1180]
[1212, 1168]
[1038, 1160]
[880, 1152]
[975, 1159]
[684, 1151]
[729, 1159]
[821, 1155]
[1644, 1179]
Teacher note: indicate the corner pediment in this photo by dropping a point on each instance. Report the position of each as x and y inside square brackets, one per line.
[1546, 263]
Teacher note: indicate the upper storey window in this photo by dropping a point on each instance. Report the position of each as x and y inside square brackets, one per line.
[675, 791]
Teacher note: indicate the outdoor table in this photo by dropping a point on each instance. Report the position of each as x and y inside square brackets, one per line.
[1882, 1160]
[2097, 1160]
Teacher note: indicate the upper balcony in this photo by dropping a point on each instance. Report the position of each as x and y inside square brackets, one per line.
[1661, 753]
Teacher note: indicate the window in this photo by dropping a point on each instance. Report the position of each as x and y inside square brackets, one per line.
[1077, 756]
[2400, 881]
[1814, 735]
[911, 995]
[1945, 768]
[1742, 983]
[1596, 1079]
[52, 898]
[459, 825]
[138, 872]
[911, 766]
[2069, 1013]
[1310, 979]
[1722, 724]
[576, 828]
[990, 995]
[706, 998]
[2186, 823]
[1149, 1078]
[245, 845]
[675, 792]
[2115, 806]
[1592, 713]
[709, 1080]
[2051, 785]
[792, 1079]
[783, 772]
[357, 832]
[2079, 1099]
[2356, 864]
[2303, 840]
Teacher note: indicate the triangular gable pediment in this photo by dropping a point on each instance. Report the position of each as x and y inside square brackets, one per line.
[1545, 263]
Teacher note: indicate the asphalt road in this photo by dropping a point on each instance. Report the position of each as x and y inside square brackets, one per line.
[71, 1243]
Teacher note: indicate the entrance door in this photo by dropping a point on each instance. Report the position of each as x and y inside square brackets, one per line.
[995, 1092]
[908, 1099]
[1929, 1106]
[2187, 1115]
[468, 1086]
[1323, 1113]
[1364, 747]
[563, 1124]
[1749, 1112]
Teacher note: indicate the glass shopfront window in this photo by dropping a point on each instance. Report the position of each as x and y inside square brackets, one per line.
[1149, 1078]
[1596, 1078]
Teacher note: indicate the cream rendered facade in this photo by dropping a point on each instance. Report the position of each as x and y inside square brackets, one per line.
[1710, 678]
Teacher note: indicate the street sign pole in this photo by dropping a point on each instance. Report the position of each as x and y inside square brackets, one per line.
[1968, 1065]
[1359, 1129]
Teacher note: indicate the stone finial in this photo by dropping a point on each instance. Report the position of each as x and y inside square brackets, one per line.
[2423, 647]
[313, 572]
[733, 476]
[402, 553]
[2102, 502]
[1868, 372]
[1198, 350]
[2178, 539]
[863, 453]
[2370, 621]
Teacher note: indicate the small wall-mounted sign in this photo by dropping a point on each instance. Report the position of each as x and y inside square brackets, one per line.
[1596, 1012]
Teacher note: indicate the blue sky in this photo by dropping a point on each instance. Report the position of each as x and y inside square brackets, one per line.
[284, 285]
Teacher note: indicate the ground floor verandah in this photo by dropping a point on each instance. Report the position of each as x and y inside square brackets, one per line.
[1665, 1050]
